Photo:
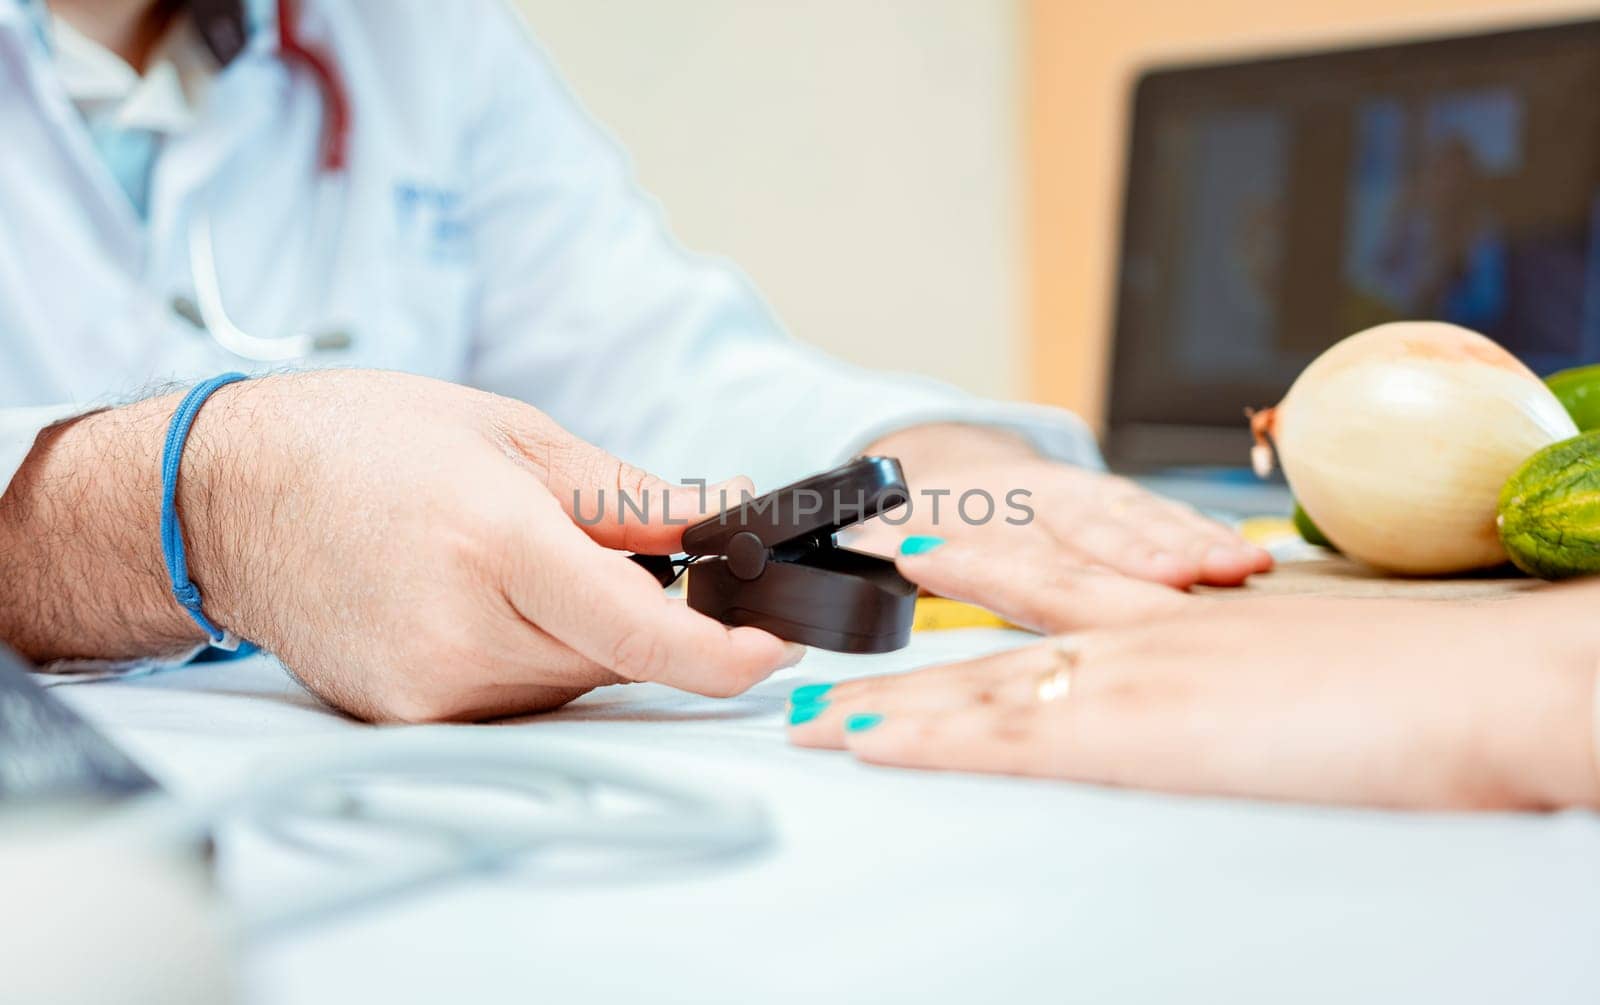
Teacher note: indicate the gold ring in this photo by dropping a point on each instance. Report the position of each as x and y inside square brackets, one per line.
[1055, 684]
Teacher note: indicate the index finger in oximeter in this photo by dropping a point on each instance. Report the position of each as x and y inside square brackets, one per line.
[772, 563]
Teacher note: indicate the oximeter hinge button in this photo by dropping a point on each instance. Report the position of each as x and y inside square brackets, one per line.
[747, 556]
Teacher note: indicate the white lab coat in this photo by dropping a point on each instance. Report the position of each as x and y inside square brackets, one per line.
[488, 232]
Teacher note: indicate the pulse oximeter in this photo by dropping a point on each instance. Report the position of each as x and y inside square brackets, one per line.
[772, 563]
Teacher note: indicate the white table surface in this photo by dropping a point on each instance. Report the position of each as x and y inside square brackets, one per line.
[898, 886]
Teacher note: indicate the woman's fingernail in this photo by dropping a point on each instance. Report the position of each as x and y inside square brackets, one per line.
[809, 694]
[921, 544]
[801, 714]
[861, 722]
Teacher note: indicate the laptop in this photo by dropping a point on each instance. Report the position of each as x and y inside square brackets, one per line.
[1276, 205]
[55, 768]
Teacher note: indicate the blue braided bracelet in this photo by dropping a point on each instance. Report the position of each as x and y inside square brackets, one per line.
[187, 594]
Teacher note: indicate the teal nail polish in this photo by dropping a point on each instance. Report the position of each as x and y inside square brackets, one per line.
[809, 694]
[805, 713]
[920, 544]
[861, 722]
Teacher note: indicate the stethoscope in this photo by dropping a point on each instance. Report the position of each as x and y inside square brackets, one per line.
[207, 310]
[383, 813]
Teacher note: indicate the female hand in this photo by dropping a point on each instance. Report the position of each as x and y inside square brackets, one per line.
[1388, 703]
[1072, 515]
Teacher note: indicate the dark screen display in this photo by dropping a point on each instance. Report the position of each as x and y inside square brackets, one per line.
[1276, 206]
[49, 753]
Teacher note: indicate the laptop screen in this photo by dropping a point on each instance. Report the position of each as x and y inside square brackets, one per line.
[1275, 206]
[48, 753]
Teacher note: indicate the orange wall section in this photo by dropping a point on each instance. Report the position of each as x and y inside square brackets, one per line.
[1081, 61]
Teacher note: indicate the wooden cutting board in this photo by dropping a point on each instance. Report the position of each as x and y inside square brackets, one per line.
[1341, 577]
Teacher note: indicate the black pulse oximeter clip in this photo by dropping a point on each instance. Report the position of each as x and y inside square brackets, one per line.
[772, 563]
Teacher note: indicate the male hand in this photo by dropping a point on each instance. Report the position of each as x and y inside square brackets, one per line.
[407, 547]
[1079, 517]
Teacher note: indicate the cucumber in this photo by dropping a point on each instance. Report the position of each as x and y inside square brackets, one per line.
[1550, 510]
[1309, 531]
[1579, 391]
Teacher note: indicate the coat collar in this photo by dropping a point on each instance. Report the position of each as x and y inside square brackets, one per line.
[228, 26]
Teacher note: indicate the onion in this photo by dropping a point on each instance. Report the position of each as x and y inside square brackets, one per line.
[1397, 441]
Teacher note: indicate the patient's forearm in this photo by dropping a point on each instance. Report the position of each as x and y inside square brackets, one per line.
[80, 545]
[1555, 733]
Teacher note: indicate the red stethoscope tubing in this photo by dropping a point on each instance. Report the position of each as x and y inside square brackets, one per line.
[335, 101]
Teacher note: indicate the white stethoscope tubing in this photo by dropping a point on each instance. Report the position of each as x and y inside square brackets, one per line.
[683, 821]
[209, 312]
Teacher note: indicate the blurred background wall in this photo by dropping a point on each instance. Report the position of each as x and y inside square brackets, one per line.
[926, 184]
[860, 159]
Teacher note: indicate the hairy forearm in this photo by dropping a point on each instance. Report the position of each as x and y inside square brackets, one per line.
[80, 545]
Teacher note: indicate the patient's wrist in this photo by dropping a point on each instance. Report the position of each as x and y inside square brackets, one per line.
[1547, 743]
[1594, 738]
[1563, 617]
[934, 451]
[1575, 758]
